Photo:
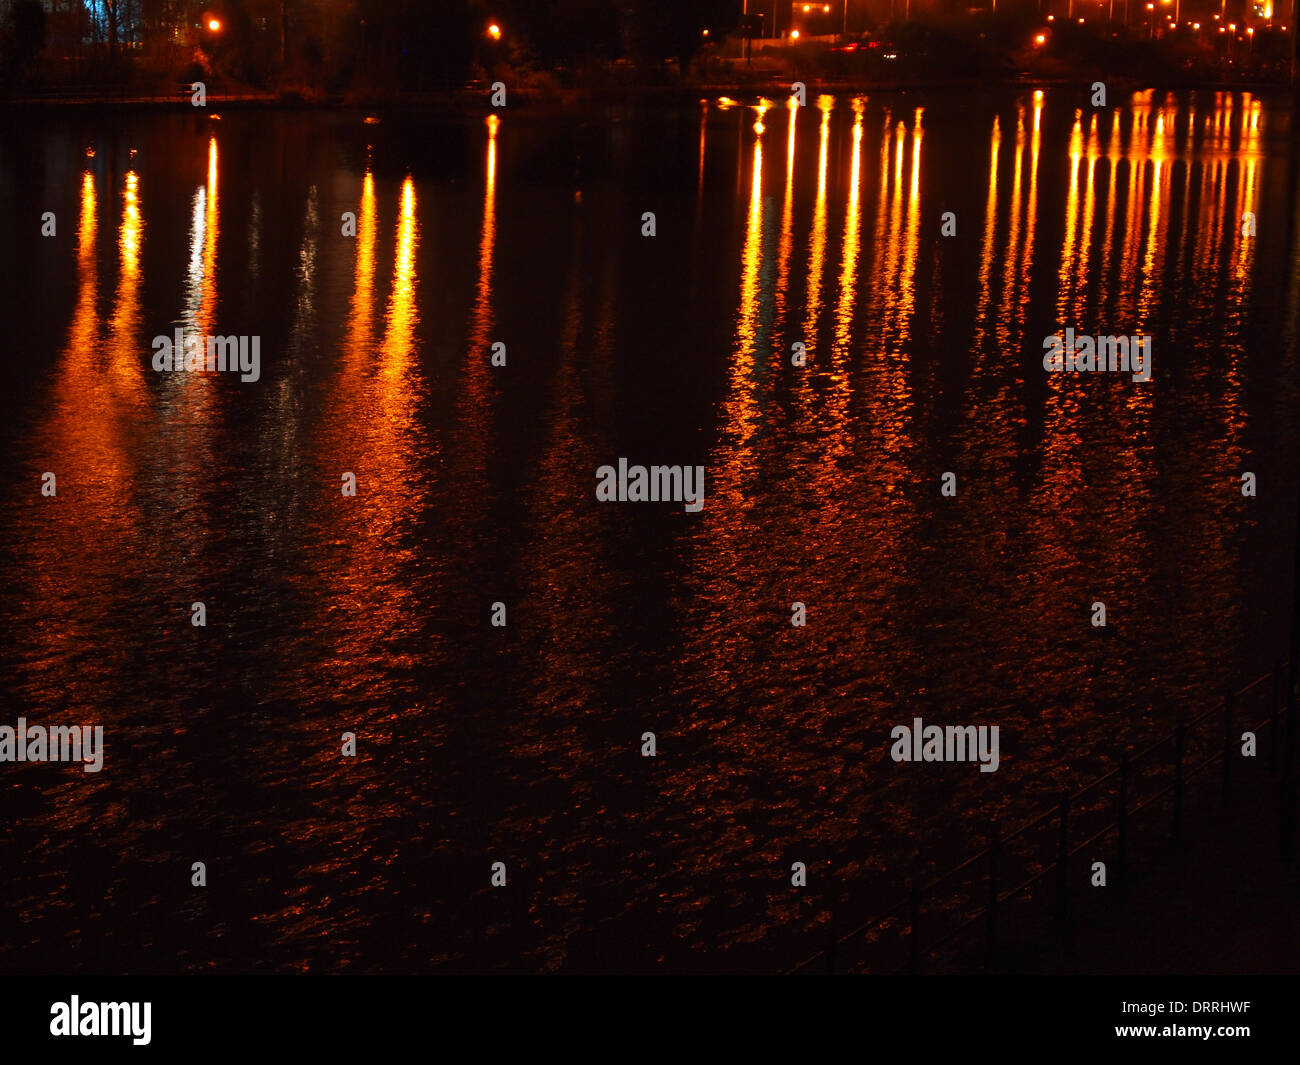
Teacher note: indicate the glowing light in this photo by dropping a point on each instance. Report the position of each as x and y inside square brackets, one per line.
[1041, 38]
[494, 31]
[214, 24]
[794, 34]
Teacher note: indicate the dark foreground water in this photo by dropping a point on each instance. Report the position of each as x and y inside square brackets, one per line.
[476, 485]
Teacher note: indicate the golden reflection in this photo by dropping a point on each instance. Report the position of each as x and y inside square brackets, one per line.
[365, 586]
[911, 236]
[1069, 272]
[481, 316]
[394, 435]
[990, 228]
[884, 235]
[849, 257]
[125, 365]
[1092, 152]
[699, 184]
[85, 438]
[1248, 198]
[1031, 210]
[474, 425]
[899, 202]
[793, 108]
[743, 410]
[356, 345]
[1013, 236]
[1136, 172]
[1018, 259]
[78, 436]
[371, 428]
[1112, 191]
[817, 243]
[787, 217]
[202, 302]
[399, 334]
[751, 256]
[1153, 259]
[83, 317]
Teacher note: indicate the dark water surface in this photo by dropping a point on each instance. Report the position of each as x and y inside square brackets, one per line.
[476, 485]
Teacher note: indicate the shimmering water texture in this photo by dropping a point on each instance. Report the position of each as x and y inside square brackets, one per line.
[476, 484]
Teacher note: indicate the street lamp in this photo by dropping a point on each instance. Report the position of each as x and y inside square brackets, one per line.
[214, 24]
[494, 31]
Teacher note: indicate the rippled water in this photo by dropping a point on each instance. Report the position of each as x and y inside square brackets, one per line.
[371, 615]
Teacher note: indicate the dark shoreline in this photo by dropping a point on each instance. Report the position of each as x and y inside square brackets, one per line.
[550, 102]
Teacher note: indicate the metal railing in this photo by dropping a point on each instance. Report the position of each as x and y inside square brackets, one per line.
[1194, 749]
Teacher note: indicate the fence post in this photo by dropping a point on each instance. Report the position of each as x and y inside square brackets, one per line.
[914, 962]
[991, 948]
[1180, 734]
[1227, 749]
[1062, 865]
[1123, 822]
